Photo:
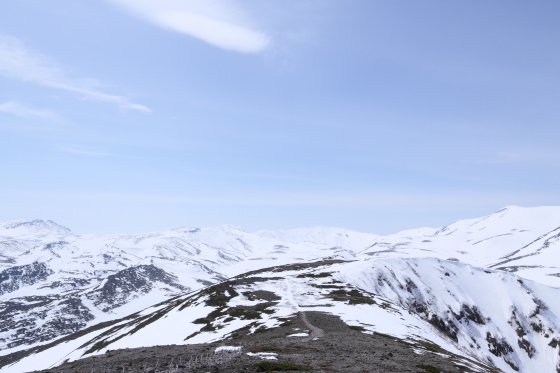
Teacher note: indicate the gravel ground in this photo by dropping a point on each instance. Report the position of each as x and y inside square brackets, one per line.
[332, 346]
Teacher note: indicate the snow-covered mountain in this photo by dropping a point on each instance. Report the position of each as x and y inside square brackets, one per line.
[490, 316]
[23, 228]
[54, 283]
[513, 239]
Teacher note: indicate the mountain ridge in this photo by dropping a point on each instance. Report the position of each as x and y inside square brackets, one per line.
[381, 297]
[54, 284]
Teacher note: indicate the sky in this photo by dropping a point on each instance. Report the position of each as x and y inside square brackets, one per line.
[127, 116]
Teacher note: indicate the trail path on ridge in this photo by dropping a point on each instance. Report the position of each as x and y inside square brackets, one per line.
[315, 331]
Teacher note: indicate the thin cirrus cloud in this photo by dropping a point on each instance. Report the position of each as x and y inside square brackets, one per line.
[217, 22]
[23, 111]
[19, 62]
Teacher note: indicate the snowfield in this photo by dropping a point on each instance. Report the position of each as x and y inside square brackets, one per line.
[483, 288]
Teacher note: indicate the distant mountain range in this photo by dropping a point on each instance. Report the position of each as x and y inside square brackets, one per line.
[484, 288]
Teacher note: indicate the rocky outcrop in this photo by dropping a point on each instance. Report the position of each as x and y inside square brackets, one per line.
[33, 319]
[130, 283]
[13, 278]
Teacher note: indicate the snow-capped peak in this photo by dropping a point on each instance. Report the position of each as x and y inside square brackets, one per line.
[35, 226]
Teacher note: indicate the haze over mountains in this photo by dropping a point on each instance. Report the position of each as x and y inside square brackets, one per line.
[484, 288]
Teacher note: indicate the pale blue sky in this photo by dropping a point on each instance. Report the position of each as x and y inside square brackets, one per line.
[379, 116]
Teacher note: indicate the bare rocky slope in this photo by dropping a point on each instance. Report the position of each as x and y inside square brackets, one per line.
[339, 348]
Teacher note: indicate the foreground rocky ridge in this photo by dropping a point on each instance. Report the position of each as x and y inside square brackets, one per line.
[339, 348]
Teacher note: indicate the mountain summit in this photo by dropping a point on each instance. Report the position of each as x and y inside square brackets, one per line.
[30, 227]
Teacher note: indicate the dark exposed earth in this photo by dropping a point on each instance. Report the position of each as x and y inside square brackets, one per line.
[332, 346]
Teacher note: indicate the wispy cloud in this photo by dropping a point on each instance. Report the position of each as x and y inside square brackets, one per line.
[19, 62]
[217, 22]
[84, 152]
[25, 112]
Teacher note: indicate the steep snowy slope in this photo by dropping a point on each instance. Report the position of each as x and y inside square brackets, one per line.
[499, 317]
[492, 316]
[53, 282]
[514, 239]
